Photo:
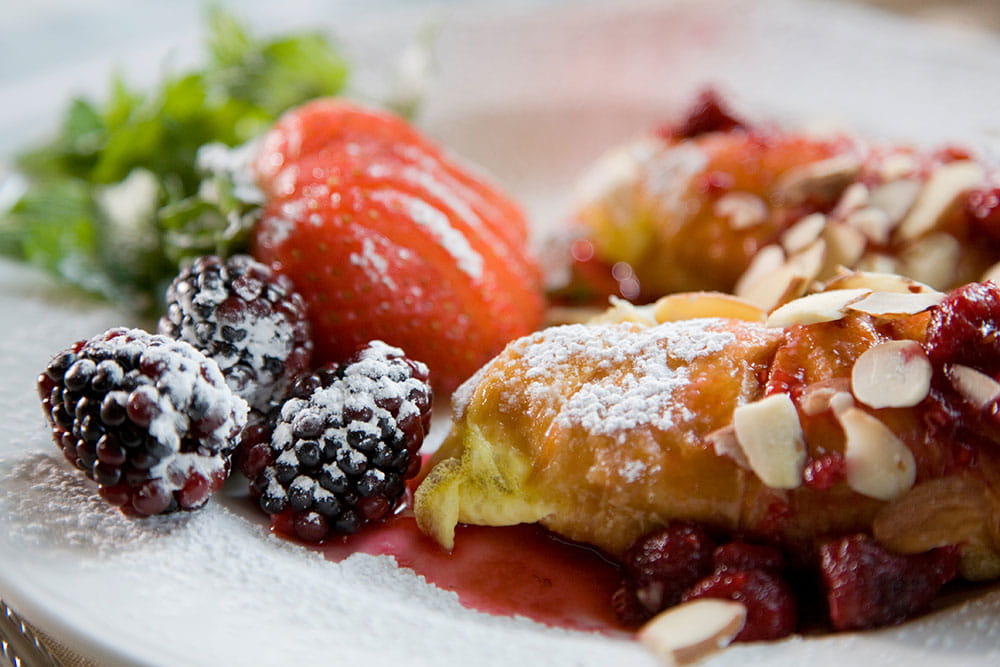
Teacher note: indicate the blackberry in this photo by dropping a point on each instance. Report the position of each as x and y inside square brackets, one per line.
[344, 444]
[247, 318]
[149, 418]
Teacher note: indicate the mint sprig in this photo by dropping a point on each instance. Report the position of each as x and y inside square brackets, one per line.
[117, 199]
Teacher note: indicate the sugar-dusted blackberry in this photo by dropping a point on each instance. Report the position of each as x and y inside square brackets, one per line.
[247, 318]
[149, 418]
[344, 444]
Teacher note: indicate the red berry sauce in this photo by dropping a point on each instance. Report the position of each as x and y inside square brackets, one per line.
[519, 570]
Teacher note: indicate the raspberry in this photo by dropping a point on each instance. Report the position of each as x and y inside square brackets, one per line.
[868, 586]
[148, 418]
[965, 328]
[663, 564]
[344, 444]
[743, 556]
[709, 114]
[245, 317]
[771, 608]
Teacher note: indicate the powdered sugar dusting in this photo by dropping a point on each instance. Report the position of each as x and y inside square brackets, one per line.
[632, 373]
[375, 265]
[439, 227]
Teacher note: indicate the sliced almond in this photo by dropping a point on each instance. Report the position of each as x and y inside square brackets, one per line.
[845, 244]
[876, 262]
[942, 192]
[821, 307]
[743, 210]
[896, 198]
[724, 443]
[809, 261]
[625, 311]
[893, 374]
[933, 260]
[803, 232]
[825, 179]
[992, 273]
[873, 222]
[855, 197]
[771, 437]
[879, 282]
[819, 397]
[691, 305]
[976, 387]
[774, 288]
[692, 631]
[896, 303]
[898, 165]
[765, 262]
[878, 464]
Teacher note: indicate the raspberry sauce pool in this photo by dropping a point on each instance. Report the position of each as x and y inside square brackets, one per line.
[513, 570]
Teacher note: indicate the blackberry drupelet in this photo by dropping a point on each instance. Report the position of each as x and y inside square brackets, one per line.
[149, 418]
[247, 318]
[344, 444]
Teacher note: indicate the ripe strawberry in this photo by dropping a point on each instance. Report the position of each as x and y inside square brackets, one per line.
[388, 238]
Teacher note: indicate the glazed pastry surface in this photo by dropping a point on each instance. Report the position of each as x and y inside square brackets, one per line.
[603, 432]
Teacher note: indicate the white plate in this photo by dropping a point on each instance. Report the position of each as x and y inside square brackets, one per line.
[533, 96]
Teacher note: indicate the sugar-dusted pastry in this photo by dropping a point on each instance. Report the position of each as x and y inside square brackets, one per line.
[866, 409]
[715, 203]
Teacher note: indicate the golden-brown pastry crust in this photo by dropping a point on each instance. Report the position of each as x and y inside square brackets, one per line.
[603, 432]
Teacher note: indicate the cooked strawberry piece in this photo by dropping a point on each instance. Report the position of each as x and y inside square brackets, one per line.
[385, 237]
[868, 586]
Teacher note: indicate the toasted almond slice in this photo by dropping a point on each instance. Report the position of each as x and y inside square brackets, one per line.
[873, 222]
[854, 198]
[774, 288]
[878, 282]
[896, 198]
[822, 396]
[825, 179]
[743, 210]
[621, 310]
[933, 259]
[690, 305]
[876, 262]
[803, 232]
[893, 374]
[765, 262]
[691, 631]
[808, 261]
[898, 165]
[771, 437]
[976, 387]
[878, 464]
[896, 303]
[992, 273]
[821, 307]
[724, 443]
[943, 190]
[845, 244]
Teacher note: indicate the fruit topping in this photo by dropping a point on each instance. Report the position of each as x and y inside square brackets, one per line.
[148, 418]
[869, 586]
[343, 444]
[770, 604]
[388, 238]
[245, 317]
[665, 563]
[708, 114]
